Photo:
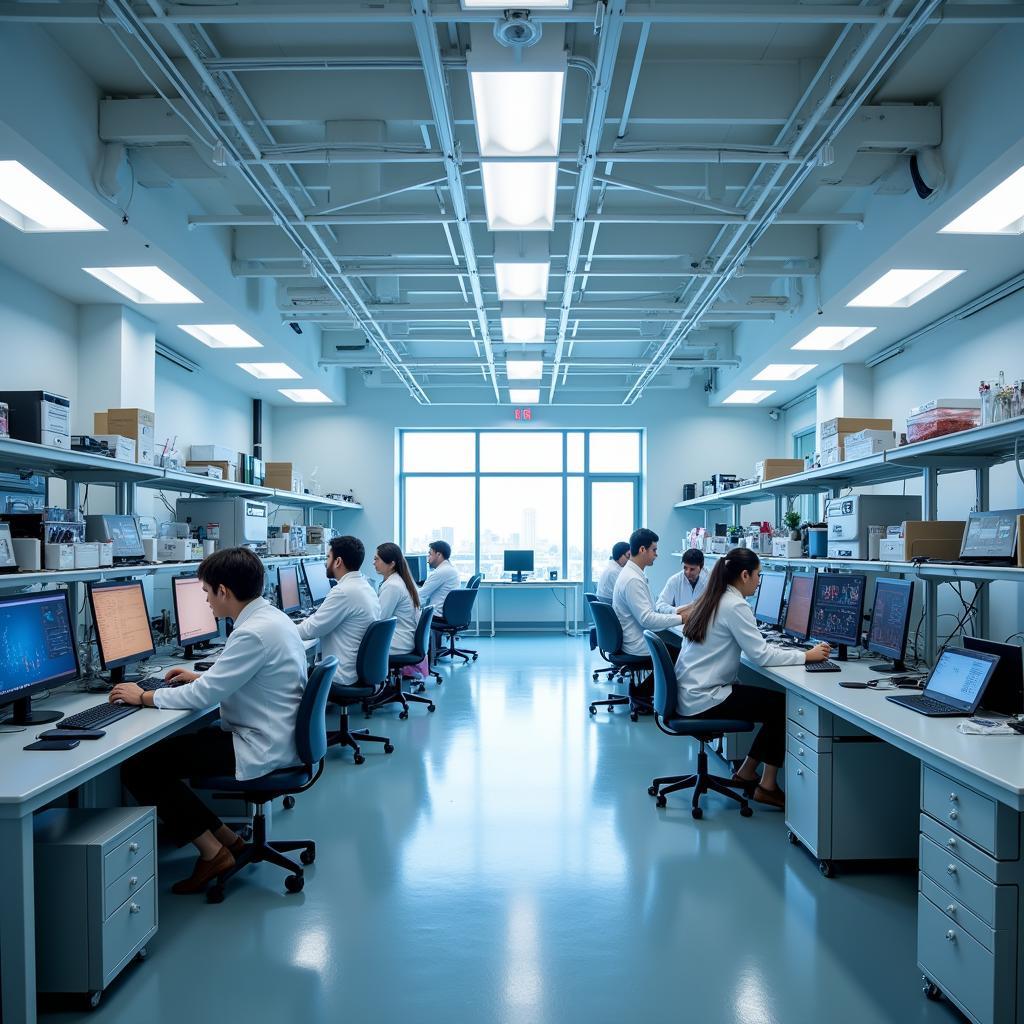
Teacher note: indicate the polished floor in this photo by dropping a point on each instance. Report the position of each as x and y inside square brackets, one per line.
[506, 865]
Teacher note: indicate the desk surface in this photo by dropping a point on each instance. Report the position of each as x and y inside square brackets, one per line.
[531, 583]
[993, 764]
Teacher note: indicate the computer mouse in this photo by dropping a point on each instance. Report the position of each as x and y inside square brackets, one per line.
[202, 666]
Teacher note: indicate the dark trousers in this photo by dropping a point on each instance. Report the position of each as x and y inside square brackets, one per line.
[756, 704]
[156, 778]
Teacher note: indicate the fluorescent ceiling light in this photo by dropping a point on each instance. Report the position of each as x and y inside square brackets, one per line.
[270, 371]
[902, 288]
[523, 328]
[746, 397]
[832, 339]
[519, 196]
[30, 205]
[999, 212]
[784, 371]
[518, 113]
[498, 5]
[524, 396]
[305, 395]
[144, 285]
[524, 369]
[221, 335]
[522, 282]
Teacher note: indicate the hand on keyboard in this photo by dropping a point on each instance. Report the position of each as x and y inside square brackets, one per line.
[126, 693]
[819, 652]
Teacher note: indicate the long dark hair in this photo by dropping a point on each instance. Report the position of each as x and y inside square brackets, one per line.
[726, 572]
[391, 554]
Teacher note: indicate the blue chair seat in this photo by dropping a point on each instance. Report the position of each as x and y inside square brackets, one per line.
[705, 726]
[401, 660]
[274, 783]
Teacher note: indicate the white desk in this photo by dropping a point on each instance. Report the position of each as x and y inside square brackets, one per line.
[531, 585]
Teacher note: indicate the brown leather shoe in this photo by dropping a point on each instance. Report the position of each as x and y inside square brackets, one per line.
[237, 846]
[203, 873]
[749, 785]
[772, 797]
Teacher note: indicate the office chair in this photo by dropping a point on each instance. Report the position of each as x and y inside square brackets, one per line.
[311, 743]
[474, 582]
[371, 678]
[392, 693]
[609, 640]
[456, 618]
[672, 723]
[612, 670]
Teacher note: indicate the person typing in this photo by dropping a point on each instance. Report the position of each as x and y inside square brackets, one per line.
[258, 681]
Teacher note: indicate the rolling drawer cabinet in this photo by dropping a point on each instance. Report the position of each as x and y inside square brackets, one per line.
[969, 900]
[96, 898]
[849, 796]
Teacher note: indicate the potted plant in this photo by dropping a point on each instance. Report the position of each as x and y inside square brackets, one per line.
[792, 521]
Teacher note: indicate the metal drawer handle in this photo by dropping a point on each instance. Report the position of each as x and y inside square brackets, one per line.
[801, 750]
[951, 909]
[799, 771]
[950, 869]
[953, 815]
[951, 841]
[133, 881]
[799, 711]
[799, 735]
[953, 797]
[133, 847]
[951, 935]
[133, 908]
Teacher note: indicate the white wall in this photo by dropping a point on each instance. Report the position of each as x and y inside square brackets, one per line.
[686, 442]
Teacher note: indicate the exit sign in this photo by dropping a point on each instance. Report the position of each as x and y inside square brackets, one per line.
[524, 414]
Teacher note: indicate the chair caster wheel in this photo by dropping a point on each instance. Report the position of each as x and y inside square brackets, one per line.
[358, 758]
[403, 715]
[634, 717]
[215, 894]
[931, 990]
[288, 803]
[745, 812]
[431, 707]
[389, 748]
[652, 790]
[142, 954]
[475, 657]
[696, 813]
[595, 677]
[307, 857]
[825, 867]
[92, 1000]
[662, 802]
[611, 709]
[593, 710]
[294, 883]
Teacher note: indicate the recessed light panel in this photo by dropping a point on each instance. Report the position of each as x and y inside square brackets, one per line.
[784, 371]
[221, 335]
[524, 396]
[519, 196]
[32, 206]
[144, 285]
[746, 397]
[900, 288]
[524, 369]
[306, 396]
[270, 371]
[528, 329]
[1000, 212]
[832, 339]
[522, 282]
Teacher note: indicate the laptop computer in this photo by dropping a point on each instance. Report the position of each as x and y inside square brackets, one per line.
[1004, 694]
[990, 537]
[954, 687]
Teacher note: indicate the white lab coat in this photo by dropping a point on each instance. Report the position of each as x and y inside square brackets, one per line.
[606, 584]
[258, 680]
[678, 591]
[634, 606]
[340, 622]
[395, 600]
[440, 582]
[705, 672]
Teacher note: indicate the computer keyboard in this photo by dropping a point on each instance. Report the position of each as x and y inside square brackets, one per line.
[98, 716]
[922, 702]
[822, 666]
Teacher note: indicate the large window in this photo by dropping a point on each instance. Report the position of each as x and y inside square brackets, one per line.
[490, 491]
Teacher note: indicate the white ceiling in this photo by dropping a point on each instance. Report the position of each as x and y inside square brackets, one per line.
[655, 298]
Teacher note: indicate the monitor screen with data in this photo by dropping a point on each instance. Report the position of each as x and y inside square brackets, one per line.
[121, 618]
[959, 677]
[192, 612]
[798, 610]
[316, 580]
[288, 588]
[768, 608]
[37, 644]
[838, 607]
[890, 618]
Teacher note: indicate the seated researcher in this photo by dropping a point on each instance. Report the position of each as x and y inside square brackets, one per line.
[443, 577]
[258, 680]
[610, 573]
[347, 611]
[685, 586]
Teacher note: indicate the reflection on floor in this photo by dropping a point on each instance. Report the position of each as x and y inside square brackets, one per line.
[506, 864]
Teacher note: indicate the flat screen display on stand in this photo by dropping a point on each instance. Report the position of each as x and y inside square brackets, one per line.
[194, 618]
[769, 598]
[798, 609]
[317, 582]
[518, 562]
[121, 618]
[890, 623]
[838, 609]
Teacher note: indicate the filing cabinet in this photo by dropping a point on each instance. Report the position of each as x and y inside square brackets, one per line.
[96, 895]
[849, 796]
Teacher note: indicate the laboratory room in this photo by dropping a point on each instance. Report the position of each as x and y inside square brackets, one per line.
[512, 515]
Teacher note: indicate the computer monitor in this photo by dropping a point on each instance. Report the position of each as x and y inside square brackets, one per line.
[195, 620]
[769, 598]
[798, 610]
[37, 652]
[1004, 694]
[517, 562]
[838, 609]
[121, 619]
[317, 582]
[288, 589]
[890, 622]
[418, 567]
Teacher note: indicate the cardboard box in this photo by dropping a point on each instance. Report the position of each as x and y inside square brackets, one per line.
[227, 469]
[770, 469]
[213, 470]
[212, 453]
[139, 424]
[850, 425]
[106, 553]
[939, 538]
[59, 557]
[886, 436]
[87, 555]
[124, 448]
[783, 547]
[831, 457]
[99, 423]
[862, 449]
[283, 477]
[27, 554]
